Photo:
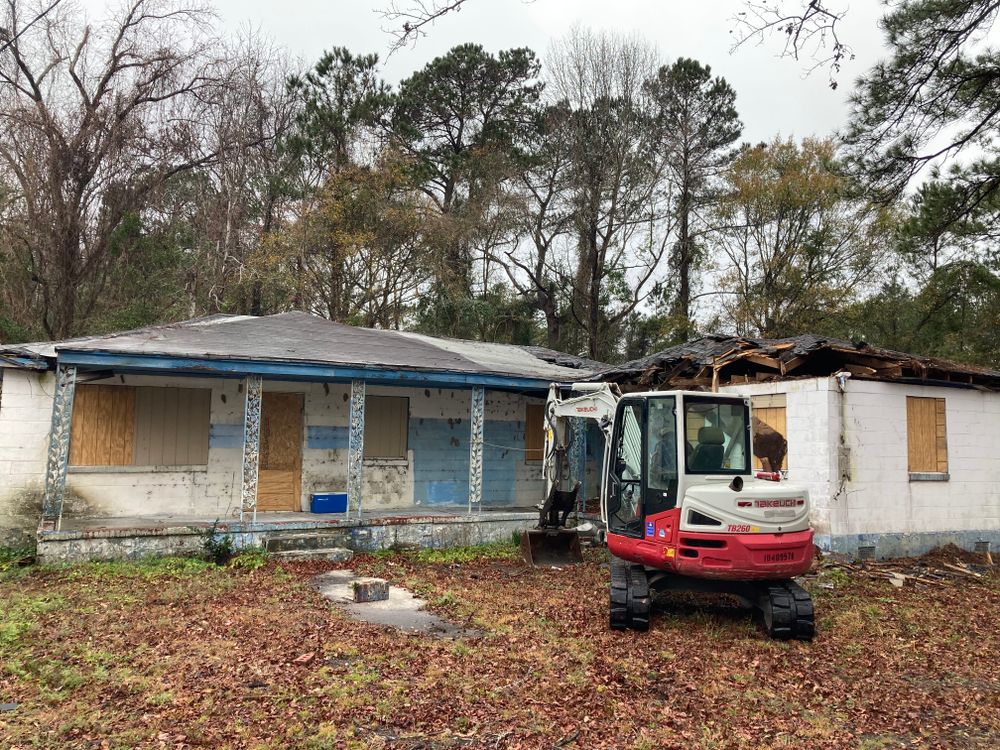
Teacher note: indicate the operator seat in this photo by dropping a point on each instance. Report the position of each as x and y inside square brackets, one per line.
[708, 454]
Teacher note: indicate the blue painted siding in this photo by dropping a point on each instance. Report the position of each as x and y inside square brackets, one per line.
[440, 460]
[225, 436]
[321, 437]
[500, 464]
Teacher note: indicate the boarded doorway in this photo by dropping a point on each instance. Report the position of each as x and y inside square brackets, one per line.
[280, 480]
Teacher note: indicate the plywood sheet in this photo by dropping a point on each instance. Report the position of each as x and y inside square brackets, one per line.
[279, 481]
[171, 426]
[103, 430]
[775, 418]
[926, 434]
[534, 432]
[386, 426]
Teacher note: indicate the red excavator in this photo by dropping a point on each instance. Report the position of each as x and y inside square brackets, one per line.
[681, 505]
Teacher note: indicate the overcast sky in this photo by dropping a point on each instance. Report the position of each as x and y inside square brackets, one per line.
[773, 95]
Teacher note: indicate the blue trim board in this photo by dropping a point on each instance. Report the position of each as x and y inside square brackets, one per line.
[308, 371]
[897, 544]
[327, 438]
[225, 436]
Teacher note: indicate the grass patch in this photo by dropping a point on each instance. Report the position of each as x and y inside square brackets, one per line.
[491, 551]
[20, 613]
[252, 558]
[147, 568]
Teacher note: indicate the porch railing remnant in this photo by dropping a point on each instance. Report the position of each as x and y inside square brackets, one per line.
[252, 388]
[59, 442]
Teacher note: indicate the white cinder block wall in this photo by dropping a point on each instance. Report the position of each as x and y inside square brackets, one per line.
[812, 418]
[884, 506]
[25, 417]
[435, 470]
[864, 496]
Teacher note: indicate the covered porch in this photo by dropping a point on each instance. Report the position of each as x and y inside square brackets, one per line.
[163, 431]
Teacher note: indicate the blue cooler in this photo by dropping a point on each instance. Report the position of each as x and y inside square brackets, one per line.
[328, 502]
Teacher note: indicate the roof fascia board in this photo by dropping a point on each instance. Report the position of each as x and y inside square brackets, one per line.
[308, 371]
[23, 362]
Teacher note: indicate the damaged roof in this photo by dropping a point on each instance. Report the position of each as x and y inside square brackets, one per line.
[724, 360]
[298, 337]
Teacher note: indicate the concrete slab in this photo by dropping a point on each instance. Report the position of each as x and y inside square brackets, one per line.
[402, 610]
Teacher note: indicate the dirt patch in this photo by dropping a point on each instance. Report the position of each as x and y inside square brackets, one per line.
[402, 610]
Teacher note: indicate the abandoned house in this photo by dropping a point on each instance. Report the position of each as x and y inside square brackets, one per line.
[898, 451]
[135, 442]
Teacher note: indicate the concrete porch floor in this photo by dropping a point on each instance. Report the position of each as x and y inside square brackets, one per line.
[130, 537]
[157, 522]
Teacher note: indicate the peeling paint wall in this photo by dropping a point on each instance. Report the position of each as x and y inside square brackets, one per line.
[25, 417]
[435, 471]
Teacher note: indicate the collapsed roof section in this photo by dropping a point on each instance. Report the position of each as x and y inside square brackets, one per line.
[717, 360]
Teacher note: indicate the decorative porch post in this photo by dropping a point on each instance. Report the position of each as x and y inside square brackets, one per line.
[577, 464]
[58, 454]
[476, 418]
[252, 386]
[356, 447]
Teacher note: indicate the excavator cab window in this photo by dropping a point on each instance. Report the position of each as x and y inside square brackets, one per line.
[625, 485]
[718, 436]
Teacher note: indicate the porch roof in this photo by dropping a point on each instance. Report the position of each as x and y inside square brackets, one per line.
[300, 346]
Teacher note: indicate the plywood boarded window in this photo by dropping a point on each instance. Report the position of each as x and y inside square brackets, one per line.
[144, 426]
[534, 432]
[386, 426]
[770, 431]
[926, 435]
[103, 431]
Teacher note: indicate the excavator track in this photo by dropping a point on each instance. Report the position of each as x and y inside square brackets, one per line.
[618, 605]
[639, 599]
[787, 611]
[630, 599]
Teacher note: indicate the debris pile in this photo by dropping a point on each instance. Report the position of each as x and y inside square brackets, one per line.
[939, 567]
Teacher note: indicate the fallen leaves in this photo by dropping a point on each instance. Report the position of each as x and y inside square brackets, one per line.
[218, 659]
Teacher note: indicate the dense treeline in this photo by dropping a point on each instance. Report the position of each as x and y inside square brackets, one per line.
[598, 200]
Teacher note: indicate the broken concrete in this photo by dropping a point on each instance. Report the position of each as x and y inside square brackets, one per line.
[370, 590]
[400, 610]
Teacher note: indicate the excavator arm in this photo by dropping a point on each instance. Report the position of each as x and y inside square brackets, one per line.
[551, 543]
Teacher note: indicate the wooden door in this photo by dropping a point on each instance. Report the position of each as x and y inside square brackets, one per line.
[280, 480]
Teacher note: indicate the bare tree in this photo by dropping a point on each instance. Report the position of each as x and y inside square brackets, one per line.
[408, 22]
[241, 195]
[621, 223]
[93, 120]
[810, 28]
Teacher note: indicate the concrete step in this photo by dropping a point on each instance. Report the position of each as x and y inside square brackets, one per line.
[304, 540]
[331, 554]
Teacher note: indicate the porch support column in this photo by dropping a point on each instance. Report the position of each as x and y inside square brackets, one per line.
[356, 447]
[58, 455]
[476, 419]
[577, 446]
[252, 388]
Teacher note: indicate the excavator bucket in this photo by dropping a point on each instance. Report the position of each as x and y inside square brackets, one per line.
[551, 548]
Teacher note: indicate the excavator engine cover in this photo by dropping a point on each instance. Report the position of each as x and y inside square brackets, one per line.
[551, 548]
